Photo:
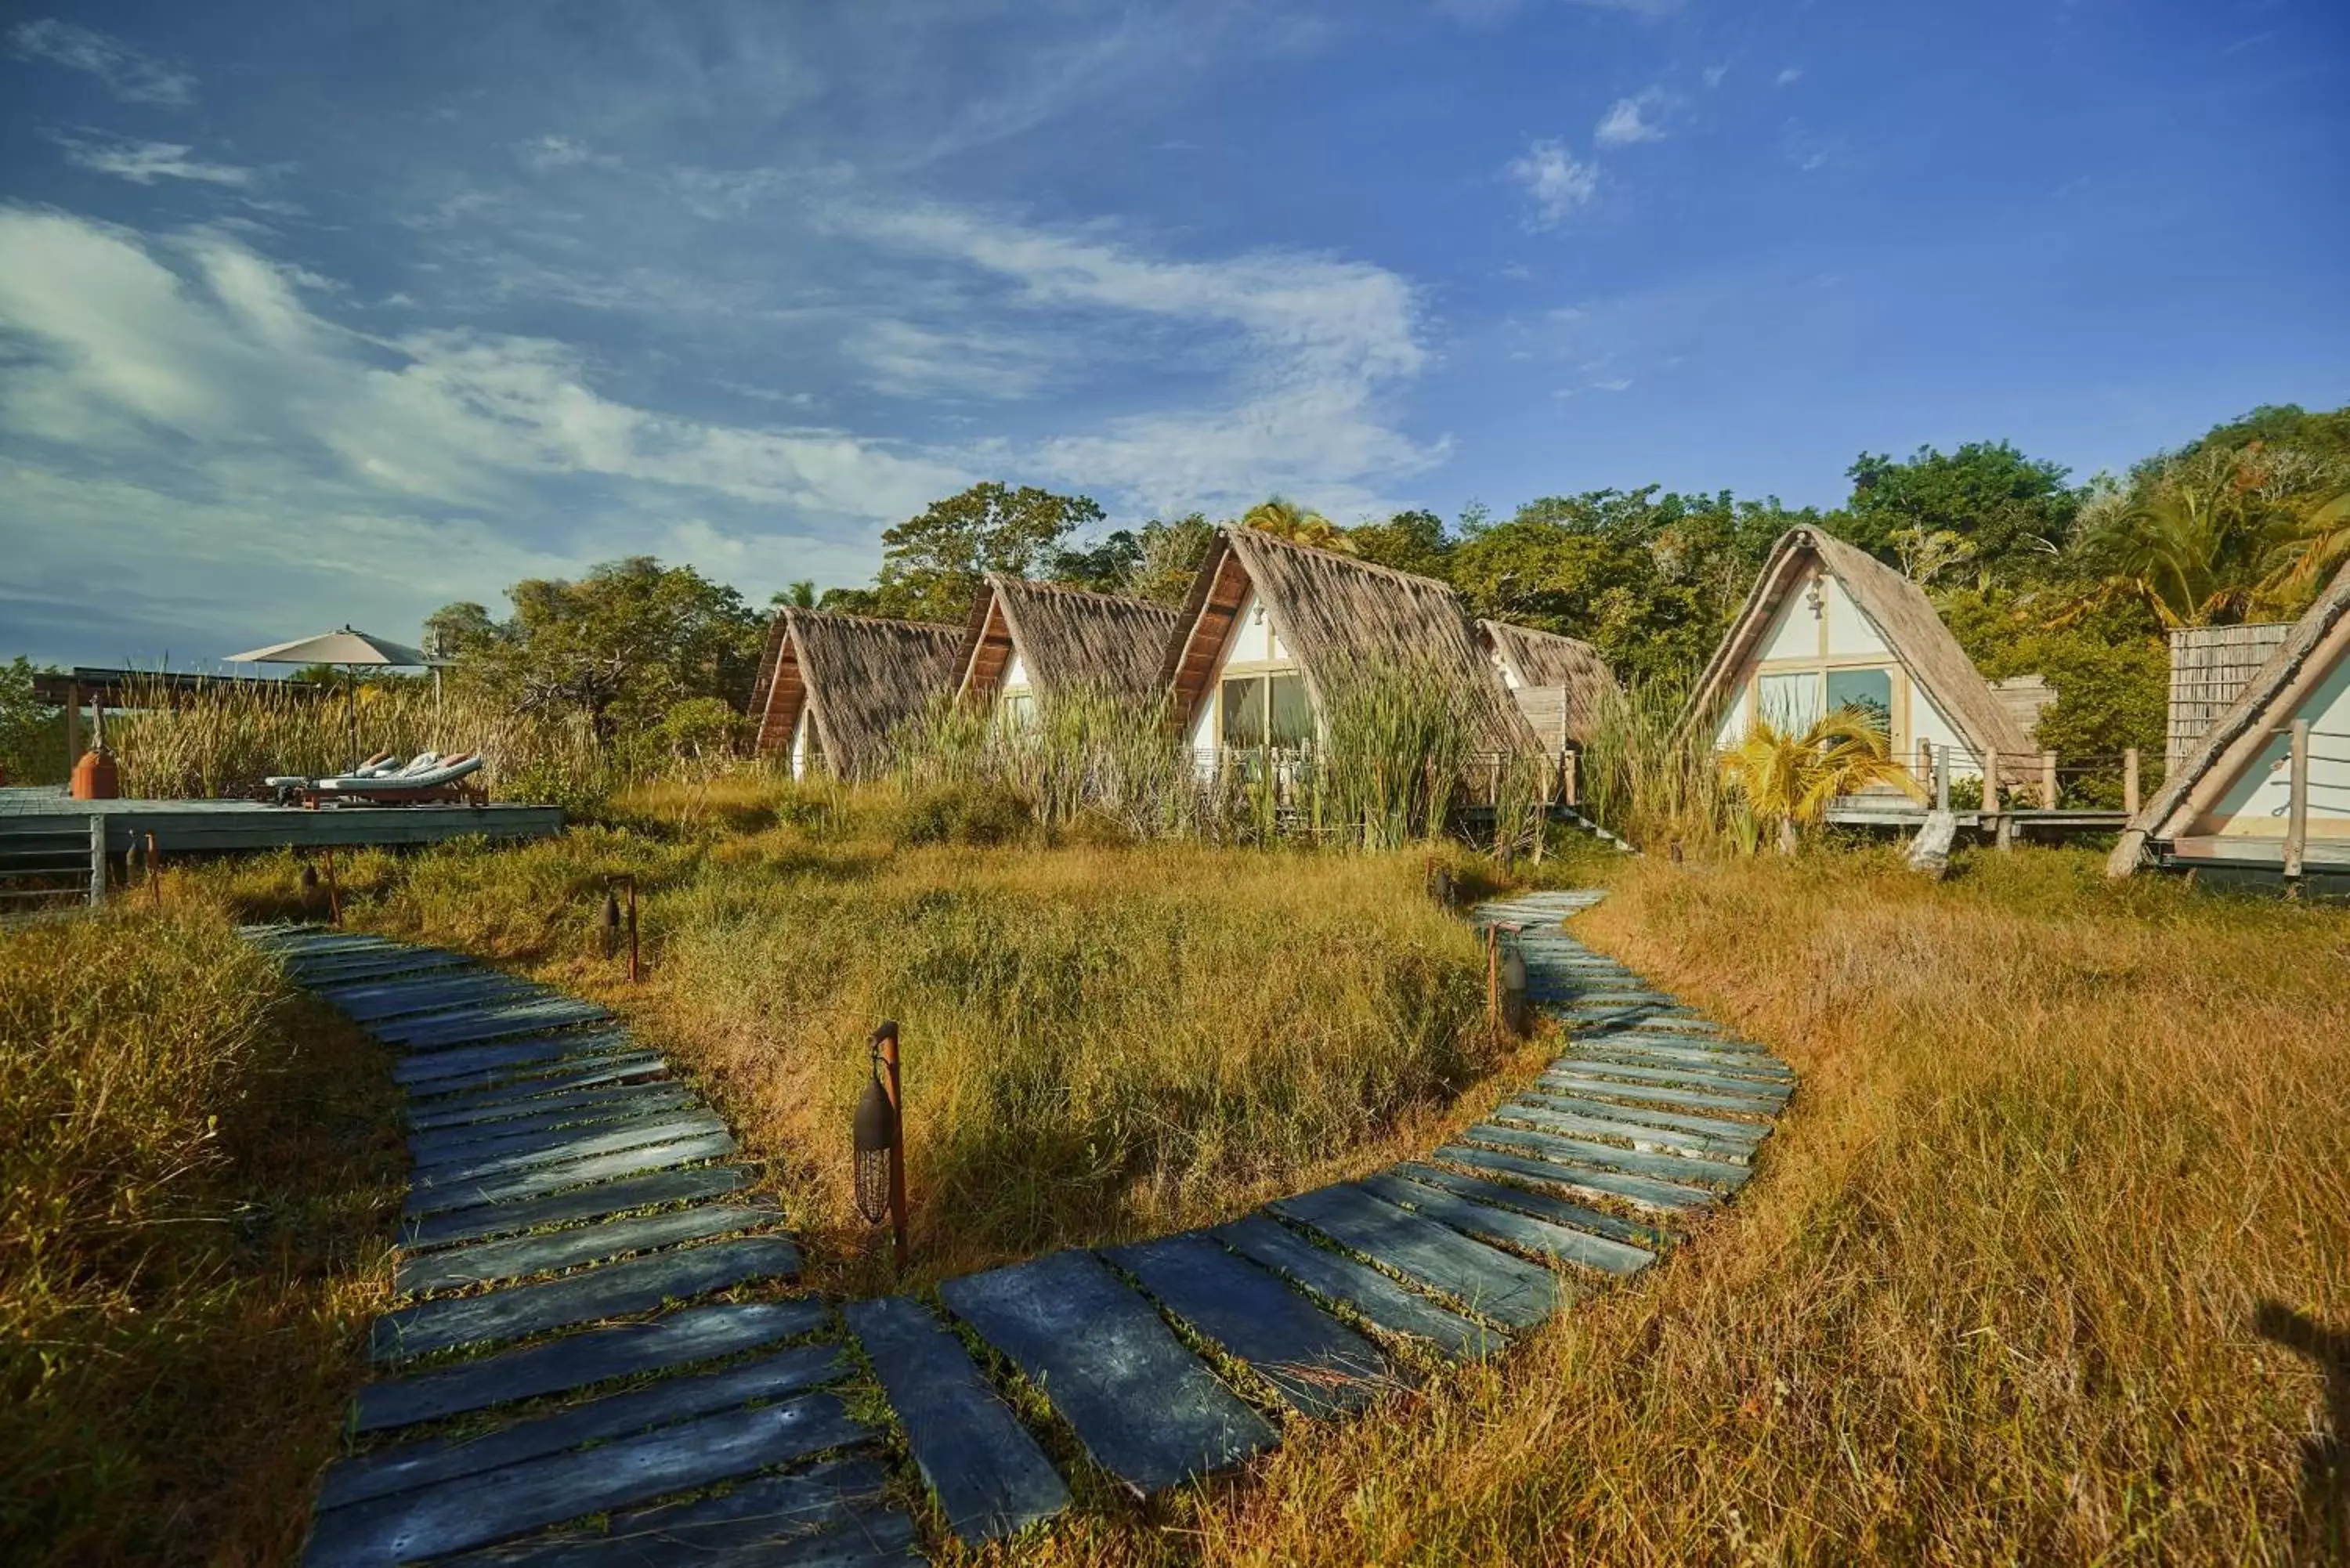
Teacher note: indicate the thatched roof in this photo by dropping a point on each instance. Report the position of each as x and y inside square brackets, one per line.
[858, 677]
[1544, 658]
[1903, 617]
[2317, 642]
[1333, 611]
[1067, 637]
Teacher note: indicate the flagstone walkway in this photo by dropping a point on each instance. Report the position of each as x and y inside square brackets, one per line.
[572, 1207]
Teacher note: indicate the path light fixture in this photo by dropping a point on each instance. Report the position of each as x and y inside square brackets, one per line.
[879, 1141]
[1505, 981]
[609, 921]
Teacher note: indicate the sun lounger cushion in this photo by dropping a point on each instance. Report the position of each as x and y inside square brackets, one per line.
[441, 772]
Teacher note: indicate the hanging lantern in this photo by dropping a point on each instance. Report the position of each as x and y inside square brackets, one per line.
[875, 1137]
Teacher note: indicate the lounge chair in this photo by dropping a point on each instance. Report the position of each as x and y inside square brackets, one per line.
[285, 788]
[431, 778]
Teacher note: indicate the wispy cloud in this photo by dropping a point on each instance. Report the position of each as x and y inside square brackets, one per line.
[546, 154]
[1554, 181]
[129, 74]
[1629, 119]
[1713, 74]
[1789, 76]
[145, 162]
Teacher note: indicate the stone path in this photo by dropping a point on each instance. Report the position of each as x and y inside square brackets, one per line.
[563, 1182]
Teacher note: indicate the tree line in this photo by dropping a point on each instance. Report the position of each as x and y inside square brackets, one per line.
[2034, 574]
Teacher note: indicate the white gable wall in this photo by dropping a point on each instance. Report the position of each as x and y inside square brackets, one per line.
[801, 737]
[1015, 671]
[1252, 640]
[2254, 807]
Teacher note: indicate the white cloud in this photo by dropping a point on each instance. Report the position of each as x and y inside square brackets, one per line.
[1626, 120]
[1789, 76]
[1556, 182]
[1621, 384]
[129, 74]
[1713, 74]
[546, 154]
[1301, 352]
[144, 163]
[187, 401]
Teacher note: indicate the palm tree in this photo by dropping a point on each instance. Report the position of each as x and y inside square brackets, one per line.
[1284, 519]
[2307, 559]
[1788, 779]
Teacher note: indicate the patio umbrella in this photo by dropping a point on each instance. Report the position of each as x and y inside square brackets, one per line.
[347, 647]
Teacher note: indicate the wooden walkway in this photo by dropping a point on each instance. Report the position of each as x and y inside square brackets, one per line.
[570, 1201]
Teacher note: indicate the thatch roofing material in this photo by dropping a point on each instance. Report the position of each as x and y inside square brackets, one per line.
[2209, 667]
[1333, 611]
[858, 677]
[1067, 637]
[2237, 738]
[1544, 658]
[1903, 617]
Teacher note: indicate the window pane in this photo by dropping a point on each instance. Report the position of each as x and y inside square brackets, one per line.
[1870, 690]
[1791, 702]
[1293, 712]
[1244, 711]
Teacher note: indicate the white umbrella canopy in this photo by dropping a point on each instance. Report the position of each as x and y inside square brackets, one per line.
[345, 647]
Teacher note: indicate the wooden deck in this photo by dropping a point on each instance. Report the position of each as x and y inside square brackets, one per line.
[184, 826]
[1861, 811]
[558, 1165]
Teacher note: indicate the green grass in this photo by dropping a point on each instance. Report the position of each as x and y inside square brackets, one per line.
[197, 1176]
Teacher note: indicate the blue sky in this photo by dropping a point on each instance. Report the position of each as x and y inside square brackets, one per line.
[317, 313]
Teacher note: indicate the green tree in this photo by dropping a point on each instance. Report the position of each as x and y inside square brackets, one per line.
[1985, 511]
[1171, 554]
[932, 564]
[799, 595]
[453, 631]
[1651, 579]
[1105, 568]
[1409, 541]
[625, 644]
[28, 740]
[1284, 519]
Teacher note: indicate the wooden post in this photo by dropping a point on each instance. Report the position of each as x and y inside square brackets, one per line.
[334, 891]
[97, 859]
[887, 1039]
[154, 872]
[2296, 810]
[1493, 983]
[1942, 778]
[1990, 783]
[633, 970]
[1567, 780]
[2129, 782]
[2048, 781]
[73, 726]
[1925, 761]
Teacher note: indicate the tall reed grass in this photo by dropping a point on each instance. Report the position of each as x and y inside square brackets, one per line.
[198, 1174]
[1653, 780]
[1400, 751]
[224, 741]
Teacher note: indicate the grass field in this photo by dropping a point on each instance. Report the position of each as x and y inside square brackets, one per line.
[197, 1172]
[1100, 1042]
[2049, 1262]
[2034, 1271]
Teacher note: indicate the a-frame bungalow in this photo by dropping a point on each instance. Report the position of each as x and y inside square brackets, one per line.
[1027, 641]
[1829, 625]
[2266, 789]
[832, 688]
[1268, 623]
[1558, 682]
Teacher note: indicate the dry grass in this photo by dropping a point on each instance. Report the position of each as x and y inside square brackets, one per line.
[197, 1174]
[1100, 1043]
[1998, 1296]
